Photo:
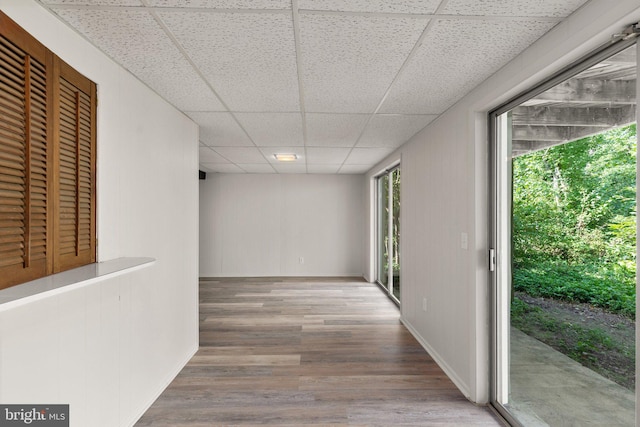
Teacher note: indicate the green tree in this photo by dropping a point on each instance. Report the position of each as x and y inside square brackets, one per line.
[574, 220]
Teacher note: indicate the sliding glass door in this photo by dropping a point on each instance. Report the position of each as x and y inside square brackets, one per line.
[564, 257]
[388, 232]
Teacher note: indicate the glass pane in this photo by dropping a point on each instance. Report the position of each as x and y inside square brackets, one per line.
[383, 230]
[569, 288]
[395, 177]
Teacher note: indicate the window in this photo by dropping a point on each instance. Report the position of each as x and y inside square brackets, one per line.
[564, 218]
[388, 232]
[47, 161]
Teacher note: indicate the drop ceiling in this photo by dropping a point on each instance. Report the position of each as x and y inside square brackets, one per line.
[339, 83]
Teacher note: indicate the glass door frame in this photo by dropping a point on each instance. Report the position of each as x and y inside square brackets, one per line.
[500, 220]
[389, 286]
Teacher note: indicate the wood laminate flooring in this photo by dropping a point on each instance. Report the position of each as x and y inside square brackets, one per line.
[304, 352]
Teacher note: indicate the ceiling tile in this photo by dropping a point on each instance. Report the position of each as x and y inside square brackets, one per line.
[367, 156]
[348, 62]
[323, 168]
[270, 151]
[136, 41]
[371, 6]
[257, 168]
[220, 129]
[241, 154]
[207, 155]
[96, 2]
[392, 130]
[326, 156]
[334, 130]
[273, 129]
[434, 79]
[224, 4]
[249, 58]
[290, 168]
[552, 8]
[220, 168]
[354, 169]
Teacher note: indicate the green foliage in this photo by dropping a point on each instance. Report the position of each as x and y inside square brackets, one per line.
[574, 221]
[602, 287]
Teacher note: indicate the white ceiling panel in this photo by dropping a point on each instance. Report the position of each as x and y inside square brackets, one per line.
[248, 58]
[551, 8]
[334, 130]
[224, 4]
[241, 154]
[142, 47]
[392, 130]
[372, 6]
[354, 169]
[96, 2]
[257, 86]
[194, 95]
[207, 155]
[326, 156]
[290, 167]
[220, 129]
[435, 78]
[220, 168]
[270, 151]
[273, 129]
[323, 168]
[348, 62]
[257, 168]
[367, 156]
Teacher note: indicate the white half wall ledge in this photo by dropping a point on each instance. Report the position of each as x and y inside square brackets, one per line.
[69, 280]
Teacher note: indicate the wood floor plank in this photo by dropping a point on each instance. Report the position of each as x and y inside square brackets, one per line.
[308, 352]
[245, 360]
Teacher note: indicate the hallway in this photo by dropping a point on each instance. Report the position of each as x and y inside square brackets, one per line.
[311, 352]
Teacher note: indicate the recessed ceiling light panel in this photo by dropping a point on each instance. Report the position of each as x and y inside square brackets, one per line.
[285, 157]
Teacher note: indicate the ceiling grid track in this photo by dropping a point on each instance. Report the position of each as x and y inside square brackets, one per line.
[296, 34]
[175, 41]
[408, 59]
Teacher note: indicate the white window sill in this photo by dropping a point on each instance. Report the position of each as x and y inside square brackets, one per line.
[69, 280]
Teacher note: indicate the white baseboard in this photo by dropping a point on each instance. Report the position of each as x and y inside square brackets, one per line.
[169, 378]
[464, 388]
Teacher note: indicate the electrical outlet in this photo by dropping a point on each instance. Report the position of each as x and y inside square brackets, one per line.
[424, 304]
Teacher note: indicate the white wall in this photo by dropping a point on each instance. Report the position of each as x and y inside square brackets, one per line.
[260, 225]
[445, 193]
[110, 348]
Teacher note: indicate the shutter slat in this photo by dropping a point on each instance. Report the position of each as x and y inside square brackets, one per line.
[10, 167]
[12, 125]
[7, 169]
[10, 113]
[12, 88]
[12, 186]
[11, 239]
[9, 232]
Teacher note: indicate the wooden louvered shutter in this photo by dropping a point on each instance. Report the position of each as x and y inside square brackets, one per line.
[74, 160]
[25, 144]
[47, 161]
